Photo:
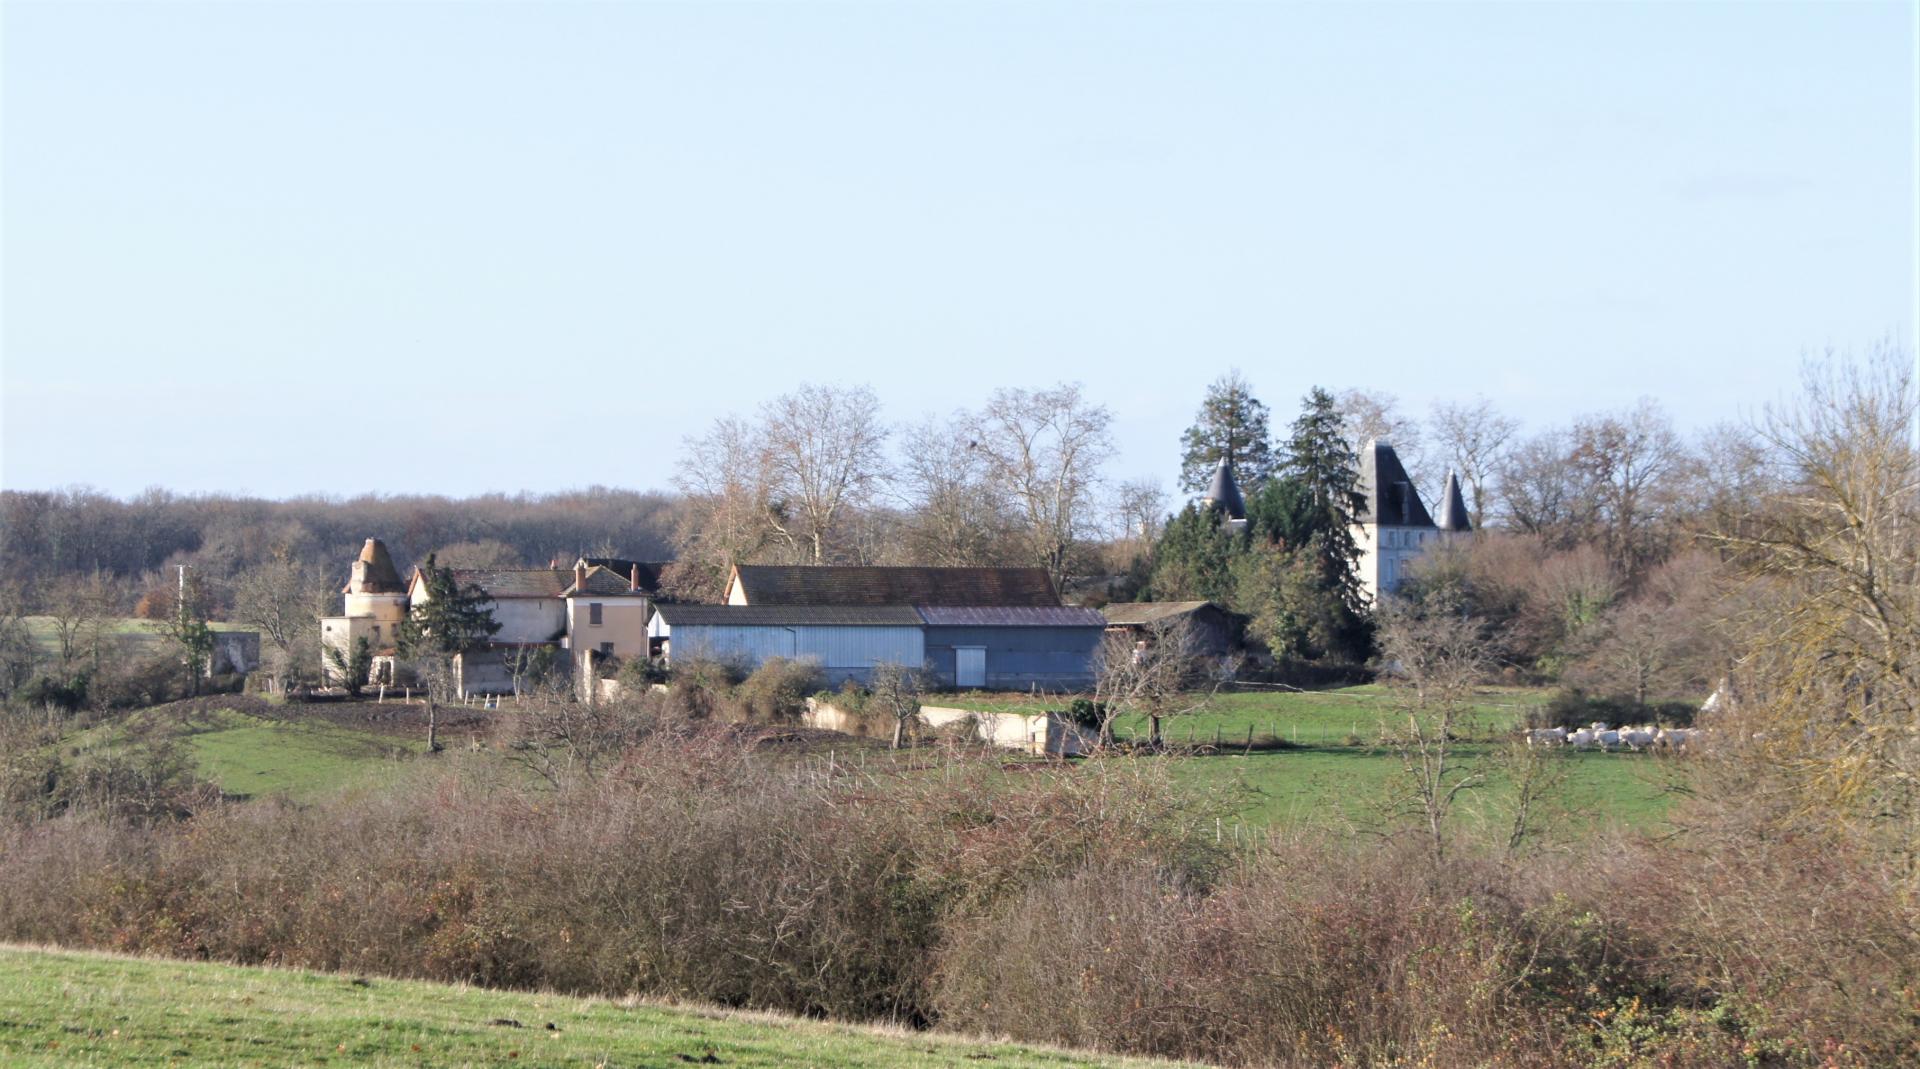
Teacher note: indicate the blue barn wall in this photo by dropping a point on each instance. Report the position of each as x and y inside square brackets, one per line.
[841, 652]
[1019, 658]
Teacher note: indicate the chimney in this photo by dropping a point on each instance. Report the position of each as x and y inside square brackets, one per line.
[633, 578]
[579, 572]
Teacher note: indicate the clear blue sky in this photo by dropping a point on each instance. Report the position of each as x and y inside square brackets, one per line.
[456, 247]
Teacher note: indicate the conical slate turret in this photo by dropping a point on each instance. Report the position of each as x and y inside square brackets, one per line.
[1224, 494]
[1453, 507]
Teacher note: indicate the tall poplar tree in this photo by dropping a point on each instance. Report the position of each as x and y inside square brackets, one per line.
[1232, 423]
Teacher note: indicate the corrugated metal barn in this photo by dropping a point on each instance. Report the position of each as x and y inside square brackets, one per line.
[845, 641]
[991, 628]
[1012, 648]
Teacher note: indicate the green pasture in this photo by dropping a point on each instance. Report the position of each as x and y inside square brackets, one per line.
[64, 1008]
[128, 636]
[1345, 787]
[252, 756]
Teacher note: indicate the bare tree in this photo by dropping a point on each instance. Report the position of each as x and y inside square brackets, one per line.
[482, 553]
[17, 652]
[1543, 492]
[1044, 450]
[897, 690]
[824, 455]
[727, 494]
[1473, 437]
[955, 515]
[284, 599]
[1830, 667]
[1376, 414]
[1434, 654]
[1633, 462]
[81, 612]
[1656, 643]
[1159, 673]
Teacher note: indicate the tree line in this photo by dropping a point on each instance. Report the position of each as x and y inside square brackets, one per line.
[1590, 534]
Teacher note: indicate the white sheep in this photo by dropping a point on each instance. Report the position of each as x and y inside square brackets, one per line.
[1639, 738]
[1547, 737]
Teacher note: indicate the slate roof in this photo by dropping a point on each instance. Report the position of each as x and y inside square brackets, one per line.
[788, 615]
[1224, 493]
[500, 583]
[1147, 612]
[766, 584]
[1453, 507]
[1010, 616]
[1392, 500]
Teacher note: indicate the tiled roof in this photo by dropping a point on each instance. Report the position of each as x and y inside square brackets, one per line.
[1146, 612]
[608, 583]
[1010, 616]
[649, 570]
[373, 572]
[825, 585]
[789, 615]
[1391, 498]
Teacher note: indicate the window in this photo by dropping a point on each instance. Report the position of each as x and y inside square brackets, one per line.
[606, 649]
[593, 614]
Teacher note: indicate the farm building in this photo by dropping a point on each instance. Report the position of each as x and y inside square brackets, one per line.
[597, 609]
[992, 628]
[1216, 631]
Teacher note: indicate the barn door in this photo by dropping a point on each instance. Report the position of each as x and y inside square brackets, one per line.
[970, 666]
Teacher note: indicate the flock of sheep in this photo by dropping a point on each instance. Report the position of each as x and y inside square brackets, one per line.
[1641, 737]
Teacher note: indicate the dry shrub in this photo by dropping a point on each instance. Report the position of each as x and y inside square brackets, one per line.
[1803, 948]
[701, 689]
[776, 692]
[690, 868]
[1306, 955]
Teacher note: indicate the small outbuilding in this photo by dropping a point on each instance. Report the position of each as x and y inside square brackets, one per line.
[1216, 631]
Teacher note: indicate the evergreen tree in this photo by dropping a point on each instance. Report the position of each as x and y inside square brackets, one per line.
[1328, 501]
[1194, 558]
[449, 621]
[1232, 423]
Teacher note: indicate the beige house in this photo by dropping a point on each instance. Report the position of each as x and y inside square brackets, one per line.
[585, 615]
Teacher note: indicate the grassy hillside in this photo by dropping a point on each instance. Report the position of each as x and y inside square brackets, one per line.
[63, 1008]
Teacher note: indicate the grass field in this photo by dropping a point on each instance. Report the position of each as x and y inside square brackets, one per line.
[1335, 774]
[62, 1008]
[253, 756]
[1342, 786]
[132, 636]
